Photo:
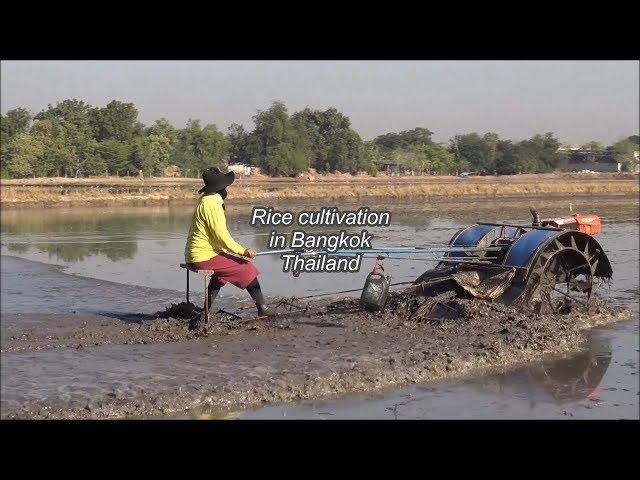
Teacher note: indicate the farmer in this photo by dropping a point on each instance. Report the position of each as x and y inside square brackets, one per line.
[211, 247]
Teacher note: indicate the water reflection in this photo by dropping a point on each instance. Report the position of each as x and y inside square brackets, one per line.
[18, 247]
[76, 252]
[557, 381]
[144, 245]
[74, 235]
[93, 221]
[72, 252]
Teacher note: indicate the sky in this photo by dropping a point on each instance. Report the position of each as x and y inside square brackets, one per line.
[577, 100]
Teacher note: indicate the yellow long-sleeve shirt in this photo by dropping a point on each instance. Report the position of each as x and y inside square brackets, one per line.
[208, 235]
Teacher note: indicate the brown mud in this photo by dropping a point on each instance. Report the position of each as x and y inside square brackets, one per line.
[331, 349]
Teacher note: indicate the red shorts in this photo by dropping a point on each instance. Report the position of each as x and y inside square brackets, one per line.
[227, 268]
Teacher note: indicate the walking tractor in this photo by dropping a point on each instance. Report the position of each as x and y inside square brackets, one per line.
[546, 266]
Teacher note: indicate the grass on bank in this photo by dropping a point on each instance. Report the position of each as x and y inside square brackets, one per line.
[404, 187]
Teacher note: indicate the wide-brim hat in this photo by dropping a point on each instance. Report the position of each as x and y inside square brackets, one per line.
[215, 180]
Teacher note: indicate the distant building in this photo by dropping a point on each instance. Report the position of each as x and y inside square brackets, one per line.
[592, 160]
[240, 169]
[569, 147]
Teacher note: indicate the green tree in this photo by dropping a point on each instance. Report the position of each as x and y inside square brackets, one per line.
[405, 139]
[623, 152]
[200, 148]
[538, 154]
[116, 121]
[111, 156]
[189, 147]
[278, 147]
[473, 150]
[15, 122]
[72, 116]
[371, 158]
[434, 158]
[42, 152]
[332, 143]
[156, 152]
[4, 148]
[507, 162]
[215, 146]
[164, 128]
[491, 140]
[96, 157]
[58, 156]
[24, 154]
[239, 144]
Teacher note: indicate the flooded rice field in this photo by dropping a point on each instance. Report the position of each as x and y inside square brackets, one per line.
[78, 285]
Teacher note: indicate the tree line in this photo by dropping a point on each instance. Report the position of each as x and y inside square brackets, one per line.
[76, 139]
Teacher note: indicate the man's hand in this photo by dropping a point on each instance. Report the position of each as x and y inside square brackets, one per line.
[249, 253]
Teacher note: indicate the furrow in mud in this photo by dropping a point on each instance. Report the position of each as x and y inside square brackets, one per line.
[335, 350]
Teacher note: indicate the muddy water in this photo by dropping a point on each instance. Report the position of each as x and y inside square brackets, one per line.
[130, 257]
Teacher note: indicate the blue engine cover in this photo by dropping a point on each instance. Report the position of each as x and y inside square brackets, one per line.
[473, 235]
[469, 236]
[523, 250]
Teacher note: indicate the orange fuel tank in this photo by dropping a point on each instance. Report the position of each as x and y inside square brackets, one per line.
[589, 224]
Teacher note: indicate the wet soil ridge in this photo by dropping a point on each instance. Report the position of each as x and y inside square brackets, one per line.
[169, 325]
[332, 349]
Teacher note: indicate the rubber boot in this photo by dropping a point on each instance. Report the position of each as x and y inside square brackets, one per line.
[213, 292]
[256, 293]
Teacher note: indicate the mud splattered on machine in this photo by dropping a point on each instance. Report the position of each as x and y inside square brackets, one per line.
[546, 266]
